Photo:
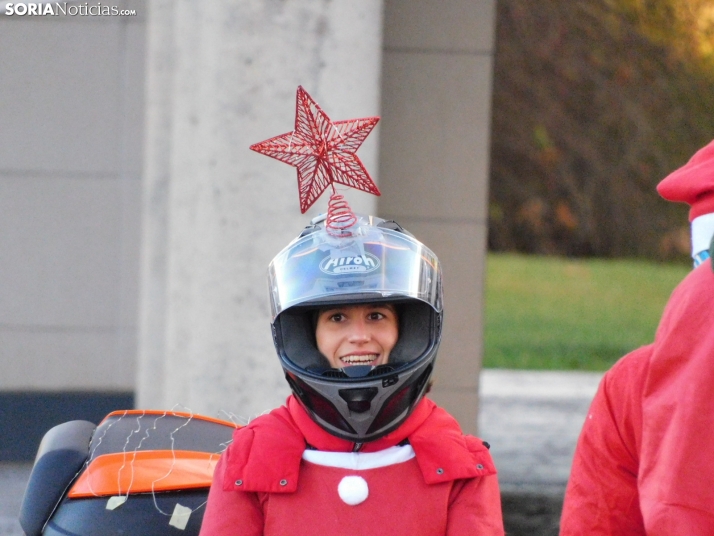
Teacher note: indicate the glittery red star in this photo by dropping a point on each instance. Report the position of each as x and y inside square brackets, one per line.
[322, 151]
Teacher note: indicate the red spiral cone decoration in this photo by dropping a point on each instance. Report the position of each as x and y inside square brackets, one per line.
[339, 216]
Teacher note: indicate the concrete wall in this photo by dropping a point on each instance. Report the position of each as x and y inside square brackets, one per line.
[436, 116]
[71, 121]
[71, 118]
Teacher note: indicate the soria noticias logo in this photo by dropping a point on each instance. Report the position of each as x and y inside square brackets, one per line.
[44, 9]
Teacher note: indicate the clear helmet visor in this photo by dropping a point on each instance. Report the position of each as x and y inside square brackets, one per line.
[374, 264]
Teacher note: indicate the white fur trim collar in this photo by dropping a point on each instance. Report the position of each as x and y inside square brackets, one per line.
[702, 232]
[360, 460]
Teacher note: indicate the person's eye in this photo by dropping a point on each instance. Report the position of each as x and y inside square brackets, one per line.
[376, 316]
[337, 317]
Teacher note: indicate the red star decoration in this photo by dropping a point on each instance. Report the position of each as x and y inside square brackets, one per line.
[322, 151]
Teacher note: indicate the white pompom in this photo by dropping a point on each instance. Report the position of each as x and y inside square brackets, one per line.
[353, 490]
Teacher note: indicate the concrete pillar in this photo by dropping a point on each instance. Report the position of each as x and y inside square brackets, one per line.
[221, 76]
[437, 74]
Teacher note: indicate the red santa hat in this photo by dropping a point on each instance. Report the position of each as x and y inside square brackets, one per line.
[693, 184]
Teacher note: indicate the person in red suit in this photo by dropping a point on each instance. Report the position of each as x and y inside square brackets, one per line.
[643, 464]
[357, 448]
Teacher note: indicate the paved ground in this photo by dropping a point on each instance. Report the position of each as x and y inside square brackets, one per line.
[531, 420]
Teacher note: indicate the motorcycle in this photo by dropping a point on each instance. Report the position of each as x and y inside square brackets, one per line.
[138, 472]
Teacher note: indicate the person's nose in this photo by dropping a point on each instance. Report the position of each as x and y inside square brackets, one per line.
[360, 332]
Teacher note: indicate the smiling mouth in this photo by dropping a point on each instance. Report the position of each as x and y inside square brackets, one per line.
[358, 359]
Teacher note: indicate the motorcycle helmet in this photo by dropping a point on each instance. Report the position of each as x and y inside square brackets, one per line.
[377, 262]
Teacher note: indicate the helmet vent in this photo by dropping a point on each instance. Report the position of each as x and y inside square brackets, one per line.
[333, 373]
[359, 400]
[389, 381]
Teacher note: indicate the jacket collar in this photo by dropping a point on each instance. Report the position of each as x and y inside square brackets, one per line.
[265, 455]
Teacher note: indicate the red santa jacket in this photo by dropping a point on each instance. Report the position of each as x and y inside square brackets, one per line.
[442, 482]
[644, 463]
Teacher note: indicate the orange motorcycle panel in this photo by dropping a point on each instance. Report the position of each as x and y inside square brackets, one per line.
[145, 471]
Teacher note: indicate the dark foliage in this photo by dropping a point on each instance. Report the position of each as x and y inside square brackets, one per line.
[590, 112]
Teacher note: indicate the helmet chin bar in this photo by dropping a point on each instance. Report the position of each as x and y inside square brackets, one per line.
[362, 410]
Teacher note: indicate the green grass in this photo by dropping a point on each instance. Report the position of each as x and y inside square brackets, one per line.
[555, 313]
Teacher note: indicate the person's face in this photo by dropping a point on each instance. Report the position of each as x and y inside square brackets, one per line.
[357, 334]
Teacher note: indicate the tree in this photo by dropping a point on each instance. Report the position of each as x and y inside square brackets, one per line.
[595, 102]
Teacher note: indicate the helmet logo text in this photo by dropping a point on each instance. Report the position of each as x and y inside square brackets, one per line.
[346, 265]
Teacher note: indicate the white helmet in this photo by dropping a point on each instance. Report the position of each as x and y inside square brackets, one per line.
[380, 262]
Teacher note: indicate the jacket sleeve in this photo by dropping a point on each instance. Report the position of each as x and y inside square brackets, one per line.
[602, 494]
[475, 507]
[233, 513]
